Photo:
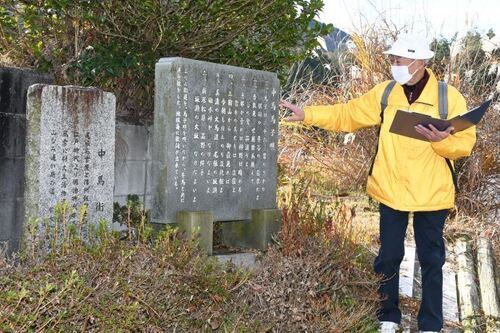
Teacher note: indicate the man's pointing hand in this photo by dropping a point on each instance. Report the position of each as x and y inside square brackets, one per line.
[298, 113]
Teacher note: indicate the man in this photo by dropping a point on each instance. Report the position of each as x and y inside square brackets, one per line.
[407, 175]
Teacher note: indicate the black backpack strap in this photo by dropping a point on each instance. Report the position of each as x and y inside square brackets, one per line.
[383, 106]
[443, 114]
[453, 174]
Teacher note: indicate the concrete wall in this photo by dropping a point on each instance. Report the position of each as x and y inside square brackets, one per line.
[14, 85]
[133, 162]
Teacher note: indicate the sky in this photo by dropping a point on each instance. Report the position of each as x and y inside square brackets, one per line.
[433, 18]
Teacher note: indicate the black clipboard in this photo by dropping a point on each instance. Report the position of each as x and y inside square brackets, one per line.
[405, 121]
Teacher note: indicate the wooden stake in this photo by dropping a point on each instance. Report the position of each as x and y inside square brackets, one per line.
[467, 288]
[489, 296]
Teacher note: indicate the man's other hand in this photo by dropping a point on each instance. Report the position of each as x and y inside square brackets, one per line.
[298, 113]
[432, 133]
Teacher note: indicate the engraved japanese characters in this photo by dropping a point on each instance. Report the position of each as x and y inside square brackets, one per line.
[215, 140]
[70, 151]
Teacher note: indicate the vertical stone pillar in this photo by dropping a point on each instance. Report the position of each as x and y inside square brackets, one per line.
[70, 152]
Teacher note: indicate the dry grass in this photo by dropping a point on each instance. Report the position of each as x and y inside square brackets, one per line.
[116, 286]
[316, 278]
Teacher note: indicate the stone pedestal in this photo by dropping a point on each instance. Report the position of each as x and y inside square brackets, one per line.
[199, 226]
[256, 233]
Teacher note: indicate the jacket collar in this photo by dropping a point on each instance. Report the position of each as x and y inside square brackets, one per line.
[429, 95]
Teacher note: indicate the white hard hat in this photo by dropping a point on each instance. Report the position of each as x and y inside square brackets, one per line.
[411, 46]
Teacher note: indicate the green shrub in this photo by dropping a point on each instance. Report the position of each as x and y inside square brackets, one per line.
[115, 44]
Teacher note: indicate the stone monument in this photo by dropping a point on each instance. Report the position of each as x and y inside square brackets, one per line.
[70, 151]
[215, 147]
[14, 85]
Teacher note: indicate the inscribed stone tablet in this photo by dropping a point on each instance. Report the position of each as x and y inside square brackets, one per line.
[70, 151]
[215, 140]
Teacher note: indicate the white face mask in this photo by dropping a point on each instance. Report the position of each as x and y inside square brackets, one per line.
[401, 73]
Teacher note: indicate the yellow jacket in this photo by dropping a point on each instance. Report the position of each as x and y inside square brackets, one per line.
[408, 174]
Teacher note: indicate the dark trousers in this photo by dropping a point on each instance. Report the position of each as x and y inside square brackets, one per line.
[428, 229]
